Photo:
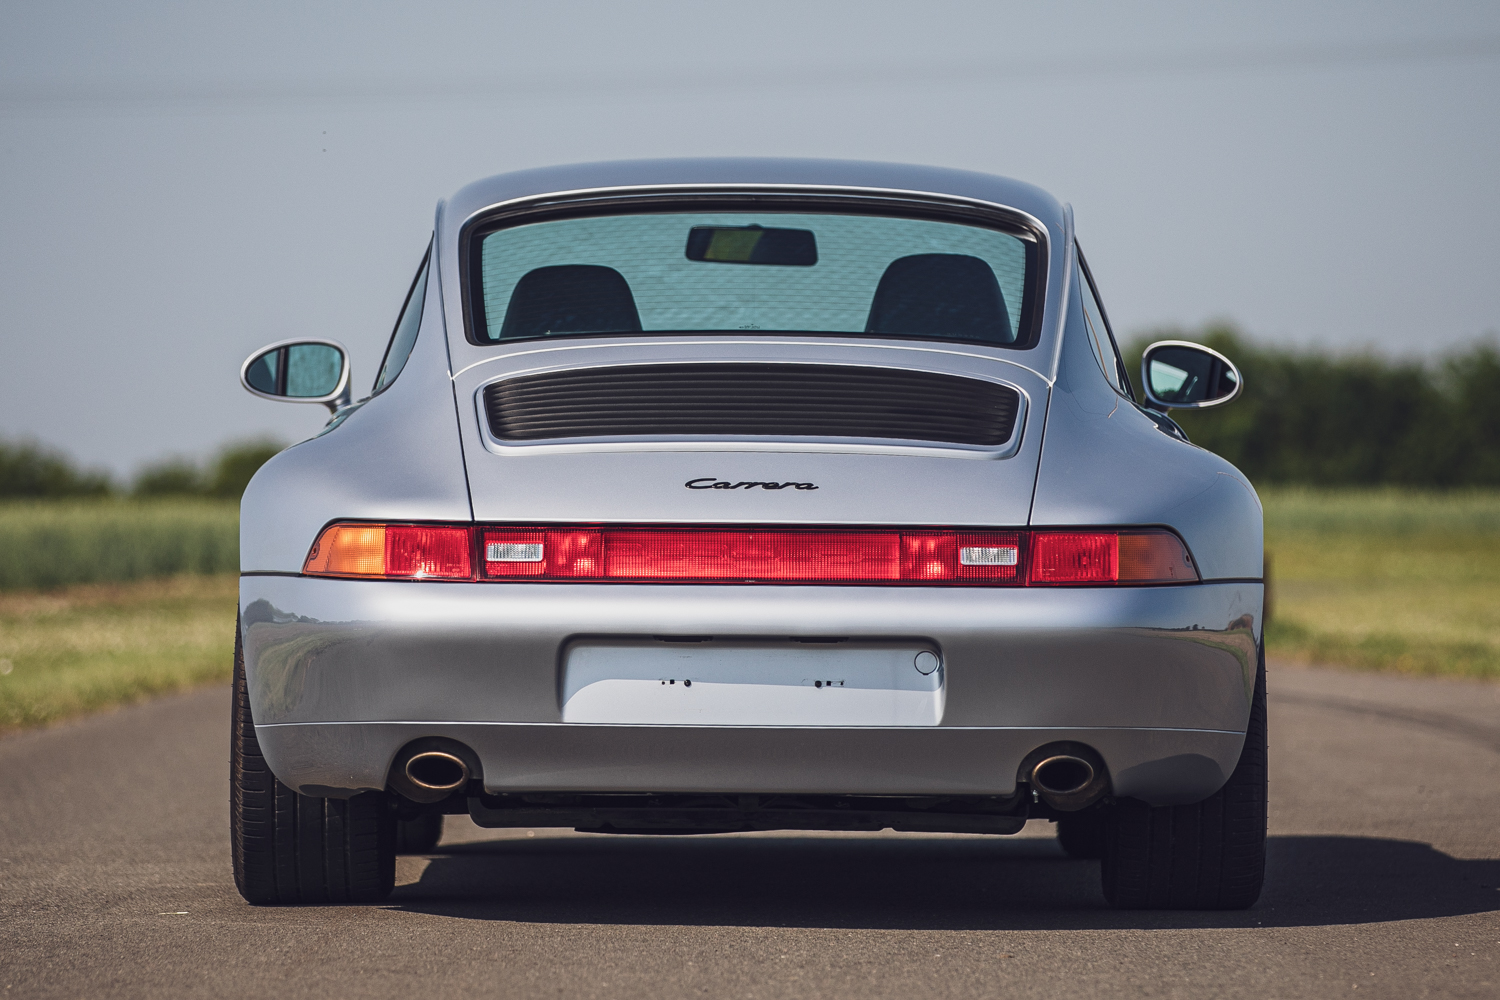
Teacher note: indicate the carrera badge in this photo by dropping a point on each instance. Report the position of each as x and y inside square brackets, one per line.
[712, 483]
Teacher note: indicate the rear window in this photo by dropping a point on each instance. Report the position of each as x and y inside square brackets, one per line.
[735, 272]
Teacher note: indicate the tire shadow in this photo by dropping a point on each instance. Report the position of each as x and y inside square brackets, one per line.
[911, 884]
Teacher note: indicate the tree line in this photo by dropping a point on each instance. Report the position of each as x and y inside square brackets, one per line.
[30, 470]
[1308, 417]
[1322, 419]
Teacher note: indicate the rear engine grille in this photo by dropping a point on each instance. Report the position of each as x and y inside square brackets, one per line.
[762, 400]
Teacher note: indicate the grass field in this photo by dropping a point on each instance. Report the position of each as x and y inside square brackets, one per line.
[1380, 579]
[56, 543]
[1386, 579]
[89, 646]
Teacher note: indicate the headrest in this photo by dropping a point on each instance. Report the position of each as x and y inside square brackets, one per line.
[570, 298]
[940, 295]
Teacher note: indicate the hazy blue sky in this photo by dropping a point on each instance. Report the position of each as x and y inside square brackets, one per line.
[183, 182]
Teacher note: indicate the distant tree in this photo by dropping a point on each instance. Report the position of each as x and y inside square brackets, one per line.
[225, 476]
[172, 477]
[1472, 380]
[29, 470]
[236, 463]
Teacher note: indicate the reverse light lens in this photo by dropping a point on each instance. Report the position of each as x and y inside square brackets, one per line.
[989, 555]
[523, 552]
[405, 551]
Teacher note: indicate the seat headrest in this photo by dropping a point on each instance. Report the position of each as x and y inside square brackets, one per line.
[940, 295]
[570, 298]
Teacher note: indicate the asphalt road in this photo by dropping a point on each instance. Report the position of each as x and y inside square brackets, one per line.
[1384, 867]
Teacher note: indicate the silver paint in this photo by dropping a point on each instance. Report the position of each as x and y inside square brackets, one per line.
[858, 482]
[1159, 766]
[325, 656]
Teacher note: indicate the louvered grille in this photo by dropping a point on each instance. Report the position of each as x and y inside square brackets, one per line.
[762, 400]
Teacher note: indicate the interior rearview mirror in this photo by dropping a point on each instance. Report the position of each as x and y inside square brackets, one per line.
[300, 371]
[1181, 375]
[752, 245]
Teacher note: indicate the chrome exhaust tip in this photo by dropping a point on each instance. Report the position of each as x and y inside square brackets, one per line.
[436, 771]
[430, 770]
[1063, 774]
[1066, 776]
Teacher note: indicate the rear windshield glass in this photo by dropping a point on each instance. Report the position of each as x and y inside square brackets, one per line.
[744, 272]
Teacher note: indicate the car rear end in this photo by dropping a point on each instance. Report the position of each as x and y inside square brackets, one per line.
[748, 544]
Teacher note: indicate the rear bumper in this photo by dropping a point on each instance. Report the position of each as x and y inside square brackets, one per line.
[344, 673]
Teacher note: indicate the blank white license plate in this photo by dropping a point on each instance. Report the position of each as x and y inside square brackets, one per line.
[653, 683]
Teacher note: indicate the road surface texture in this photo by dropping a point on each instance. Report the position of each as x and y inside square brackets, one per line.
[1384, 863]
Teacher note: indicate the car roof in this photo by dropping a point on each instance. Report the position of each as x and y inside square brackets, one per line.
[755, 171]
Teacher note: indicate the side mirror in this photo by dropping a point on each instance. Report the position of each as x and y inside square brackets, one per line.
[1181, 375]
[300, 371]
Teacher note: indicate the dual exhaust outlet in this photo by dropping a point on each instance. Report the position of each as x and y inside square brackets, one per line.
[1066, 776]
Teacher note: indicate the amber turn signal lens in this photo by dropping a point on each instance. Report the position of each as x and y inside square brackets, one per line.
[348, 550]
[401, 551]
[1155, 557]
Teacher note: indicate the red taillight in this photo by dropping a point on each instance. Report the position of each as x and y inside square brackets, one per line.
[770, 555]
[559, 553]
[1075, 557]
[405, 551]
[425, 551]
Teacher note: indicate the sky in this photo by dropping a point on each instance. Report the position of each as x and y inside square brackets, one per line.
[184, 182]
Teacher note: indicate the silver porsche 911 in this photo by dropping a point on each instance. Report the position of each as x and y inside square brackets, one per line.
[700, 496]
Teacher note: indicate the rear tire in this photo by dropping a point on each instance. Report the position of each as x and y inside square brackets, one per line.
[290, 848]
[420, 835]
[1207, 856]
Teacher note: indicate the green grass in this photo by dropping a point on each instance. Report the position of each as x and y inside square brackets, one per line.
[55, 543]
[91, 646]
[1387, 579]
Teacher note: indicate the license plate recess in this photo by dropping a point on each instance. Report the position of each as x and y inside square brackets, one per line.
[727, 682]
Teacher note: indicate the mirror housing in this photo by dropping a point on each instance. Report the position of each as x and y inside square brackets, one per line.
[1178, 374]
[302, 370]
